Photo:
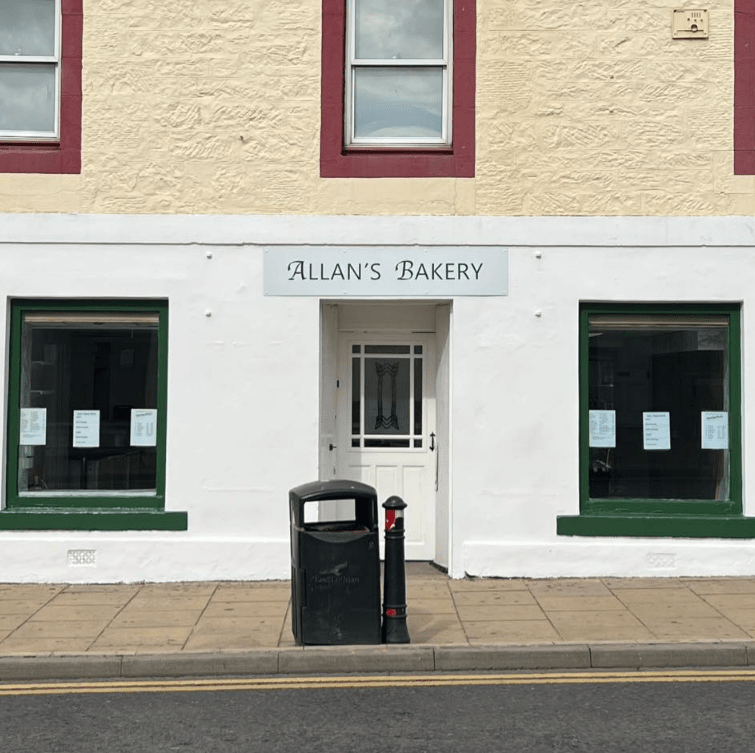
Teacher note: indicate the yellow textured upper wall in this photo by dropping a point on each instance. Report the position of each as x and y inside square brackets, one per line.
[586, 108]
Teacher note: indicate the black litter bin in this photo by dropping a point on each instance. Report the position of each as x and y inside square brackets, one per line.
[335, 567]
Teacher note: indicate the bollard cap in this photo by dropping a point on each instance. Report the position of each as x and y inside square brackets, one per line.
[394, 503]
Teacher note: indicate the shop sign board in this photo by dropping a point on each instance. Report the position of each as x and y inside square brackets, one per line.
[389, 271]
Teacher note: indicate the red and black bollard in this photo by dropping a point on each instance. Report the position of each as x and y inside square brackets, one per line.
[394, 579]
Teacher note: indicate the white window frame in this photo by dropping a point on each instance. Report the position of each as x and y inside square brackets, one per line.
[353, 63]
[53, 135]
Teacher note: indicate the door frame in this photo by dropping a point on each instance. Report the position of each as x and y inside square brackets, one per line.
[395, 318]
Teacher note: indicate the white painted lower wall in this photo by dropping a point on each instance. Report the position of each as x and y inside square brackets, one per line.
[243, 385]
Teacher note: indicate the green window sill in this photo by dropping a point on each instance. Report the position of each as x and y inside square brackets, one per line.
[87, 519]
[667, 526]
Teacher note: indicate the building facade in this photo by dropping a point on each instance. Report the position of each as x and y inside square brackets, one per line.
[496, 258]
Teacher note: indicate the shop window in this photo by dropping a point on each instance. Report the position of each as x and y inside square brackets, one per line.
[40, 86]
[744, 87]
[398, 88]
[86, 418]
[660, 447]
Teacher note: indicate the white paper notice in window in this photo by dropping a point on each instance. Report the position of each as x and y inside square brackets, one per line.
[602, 428]
[86, 428]
[656, 431]
[33, 426]
[715, 430]
[143, 427]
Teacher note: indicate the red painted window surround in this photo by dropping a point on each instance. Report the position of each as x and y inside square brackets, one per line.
[744, 87]
[457, 161]
[63, 156]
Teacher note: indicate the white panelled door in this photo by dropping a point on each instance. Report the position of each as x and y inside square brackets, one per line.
[386, 426]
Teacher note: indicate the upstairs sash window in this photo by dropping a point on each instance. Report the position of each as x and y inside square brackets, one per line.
[30, 61]
[398, 73]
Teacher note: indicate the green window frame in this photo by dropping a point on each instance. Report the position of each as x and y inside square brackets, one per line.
[622, 511]
[95, 478]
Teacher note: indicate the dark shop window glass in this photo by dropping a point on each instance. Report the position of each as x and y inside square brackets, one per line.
[88, 403]
[659, 406]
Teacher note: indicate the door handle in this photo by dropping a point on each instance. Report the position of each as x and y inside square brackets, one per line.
[331, 447]
[432, 441]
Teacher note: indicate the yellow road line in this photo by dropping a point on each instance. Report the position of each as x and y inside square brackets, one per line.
[373, 681]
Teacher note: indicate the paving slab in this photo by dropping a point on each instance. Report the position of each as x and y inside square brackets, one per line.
[35, 631]
[43, 591]
[147, 640]
[479, 597]
[81, 612]
[101, 596]
[616, 584]
[697, 629]
[744, 618]
[648, 612]
[658, 596]
[29, 647]
[500, 612]
[224, 609]
[26, 606]
[441, 605]
[569, 587]
[178, 601]
[488, 584]
[10, 622]
[252, 592]
[435, 629]
[235, 640]
[146, 618]
[599, 626]
[230, 623]
[579, 603]
[511, 631]
[426, 590]
[722, 585]
[196, 588]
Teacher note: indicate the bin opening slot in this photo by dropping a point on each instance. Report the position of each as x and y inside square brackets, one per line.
[342, 514]
[330, 511]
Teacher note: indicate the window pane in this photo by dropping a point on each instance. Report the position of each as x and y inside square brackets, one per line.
[418, 396]
[674, 366]
[356, 406]
[399, 29]
[27, 27]
[386, 396]
[27, 97]
[386, 442]
[385, 349]
[398, 102]
[95, 387]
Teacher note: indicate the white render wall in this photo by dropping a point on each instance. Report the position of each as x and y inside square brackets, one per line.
[243, 392]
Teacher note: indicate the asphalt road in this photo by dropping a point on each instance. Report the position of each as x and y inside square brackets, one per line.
[623, 715]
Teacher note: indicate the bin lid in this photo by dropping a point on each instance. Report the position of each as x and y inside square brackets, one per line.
[364, 496]
[332, 489]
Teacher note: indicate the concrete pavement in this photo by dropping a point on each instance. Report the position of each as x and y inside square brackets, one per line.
[58, 631]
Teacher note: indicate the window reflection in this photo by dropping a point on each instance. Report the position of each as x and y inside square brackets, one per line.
[396, 102]
[399, 29]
